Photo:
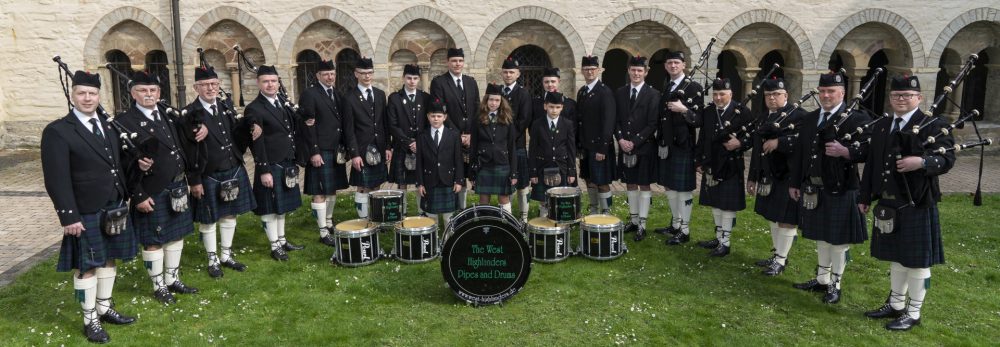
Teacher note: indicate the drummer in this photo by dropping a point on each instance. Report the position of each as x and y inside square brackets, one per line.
[493, 157]
[552, 151]
[440, 168]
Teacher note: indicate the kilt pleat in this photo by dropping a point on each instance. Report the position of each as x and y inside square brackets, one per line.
[641, 174]
[835, 220]
[523, 173]
[163, 225]
[279, 199]
[326, 179]
[92, 248]
[439, 200]
[494, 180]
[210, 208]
[778, 206]
[728, 195]
[400, 175]
[597, 172]
[677, 171]
[916, 241]
[369, 176]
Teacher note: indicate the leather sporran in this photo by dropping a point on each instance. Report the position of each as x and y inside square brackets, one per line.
[885, 218]
[410, 162]
[710, 179]
[663, 152]
[764, 186]
[291, 176]
[372, 156]
[630, 159]
[179, 199]
[229, 190]
[341, 155]
[551, 177]
[810, 196]
[115, 220]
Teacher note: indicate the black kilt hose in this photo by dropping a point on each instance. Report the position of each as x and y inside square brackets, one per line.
[523, 175]
[728, 195]
[370, 176]
[597, 172]
[641, 174]
[835, 220]
[93, 248]
[326, 179]
[279, 199]
[778, 207]
[210, 208]
[494, 180]
[916, 241]
[677, 171]
[400, 175]
[439, 200]
[163, 225]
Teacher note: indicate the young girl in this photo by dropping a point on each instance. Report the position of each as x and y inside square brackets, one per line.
[552, 150]
[441, 173]
[493, 157]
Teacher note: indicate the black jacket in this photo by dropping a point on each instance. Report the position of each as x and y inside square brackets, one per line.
[838, 174]
[638, 123]
[538, 109]
[223, 148]
[168, 156]
[462, 107]
[366, 124]
[676, 129]
[276, 143]
[709, 152]
[406, 119]
[81, 173]
[550, 149]
[775, 165]
[520, 105]
[327, 134]
[440, 165]
[596, 119]
[494, 144]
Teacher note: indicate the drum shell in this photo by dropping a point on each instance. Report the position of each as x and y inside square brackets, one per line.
[386, 206]
[416, 245]
[602, 241]
[563, 204]
[357, 247]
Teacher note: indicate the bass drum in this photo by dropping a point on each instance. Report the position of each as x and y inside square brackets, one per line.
[485, 260]
[481, 212]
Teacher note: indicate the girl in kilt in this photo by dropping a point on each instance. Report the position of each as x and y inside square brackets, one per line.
[441, 171]
[552, 147]
[493, 158]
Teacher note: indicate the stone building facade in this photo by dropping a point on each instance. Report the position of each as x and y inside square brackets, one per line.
[927, 38]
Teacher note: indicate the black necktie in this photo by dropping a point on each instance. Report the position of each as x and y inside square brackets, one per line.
[214, 111]
[276, 104]
[412, 97]
[436, 131]
[96, 129]
[506, 90]
[329, 92]
[895, 126]
[552, 126]
[826, 117]
[670, 86]
[631, 100]
[458, 83]
[156, 116]
[493, 117]
[368, 97]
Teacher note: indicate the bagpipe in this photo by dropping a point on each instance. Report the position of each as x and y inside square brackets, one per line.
[742, 130]
[680, 94]
[131, 142]
[165, 108]
[241, 61]
[835, 130]
[775, 127]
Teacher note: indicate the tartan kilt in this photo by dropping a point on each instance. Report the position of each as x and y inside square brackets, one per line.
[369, 176]
[439, 200]
[597, 172]
[326, 179]
[916, 242]
[538, 190]
[641, 174]
[523, 173]
[835, 220]
[279, 199]
[728, 195]
[494, 180]
[163, 225]
[400, 175]
[778, 207]
[677, 171]
[75, 251]
[210, 208]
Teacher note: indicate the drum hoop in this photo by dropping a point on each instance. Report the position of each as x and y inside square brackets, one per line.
[556, 230]
[355, 234]
[559, 192]
[386, 193]
[416, 231]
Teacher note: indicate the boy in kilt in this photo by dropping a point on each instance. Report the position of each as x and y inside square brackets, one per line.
[553, 151]
[460, 93]
[83, 177]
[769, 169]
[217, 179]
[368, 135]
[719, 157]
[596, 109]
[493, 149]
[902, 176]
[824, 181]
[407, 116]
[276, 186]
[324, 135]
[679, 109]
[638, 107]
[440, 164]
[519, 101]
[159, 196]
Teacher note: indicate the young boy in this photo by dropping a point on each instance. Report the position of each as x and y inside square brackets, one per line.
[552, 147]
[440, 169]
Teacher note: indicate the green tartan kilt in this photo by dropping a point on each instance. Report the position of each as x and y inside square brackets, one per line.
[494, 180]
[439, 200]
[93, 248]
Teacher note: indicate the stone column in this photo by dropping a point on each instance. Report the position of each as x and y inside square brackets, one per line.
[234, 82]
[992, 105]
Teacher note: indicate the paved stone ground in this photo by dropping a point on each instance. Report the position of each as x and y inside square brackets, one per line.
[29, 230]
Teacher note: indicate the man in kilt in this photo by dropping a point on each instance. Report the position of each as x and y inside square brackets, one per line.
[767, 179]
[440, 164]
[407, 117]
[276, 175]
[719, 158]
[824, 181]
[460, 93]
[368, 139]
[595, 135]
[83, 177]
[679, 107]
[324, 135]
[159, 198]
[902, 176]
[553, 151]
[519, 101]
[638, 105]
[218, 181]
[493, 155]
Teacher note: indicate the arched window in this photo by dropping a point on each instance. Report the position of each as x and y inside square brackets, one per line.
[875, 102]
[657, 77]
[533, 60]
[615, 64]
[119, 86]
[727, 66]
[156, 64]
[305, 72]
[974, 90]
[346, 60]
[766, 63]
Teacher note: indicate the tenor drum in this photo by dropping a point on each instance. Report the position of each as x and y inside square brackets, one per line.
[549, 241]
[386, 206]
[563, 204]
[416, 240]
[601, 237]
[356, 243]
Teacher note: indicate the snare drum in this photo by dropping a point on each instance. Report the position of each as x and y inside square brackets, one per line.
[549, 242]
[416, 240]
[386, 206]
[357, 243]
[563, 204]
[601, 237]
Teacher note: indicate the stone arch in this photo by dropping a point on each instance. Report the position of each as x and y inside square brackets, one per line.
[408, 16]
[541, 14]
[202, 26]
[982, 14]
[806, 57]
[92, 54]
[875, 15]
[655, 15]
[420, 37]
[320, 13]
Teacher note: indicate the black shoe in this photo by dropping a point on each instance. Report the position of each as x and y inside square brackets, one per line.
[181, 288]
[832, 295]
[164, 296]
[95, 332]
[214, 271]
[288, 246]
[903, 323]
[766, 262]
[811, 285]
[279, 254]
[886, 311]
[710, 244]
[720, 251]
[639, 235]
[113, 317]
[678, 238]
[631, 228]
[773, 269]
[668, 230]
[328, 240]
[233, 264]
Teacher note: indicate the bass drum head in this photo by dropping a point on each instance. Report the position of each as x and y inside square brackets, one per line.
[486, 261]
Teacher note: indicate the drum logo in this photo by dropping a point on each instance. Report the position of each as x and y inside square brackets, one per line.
[559, 246]
[365, 247]
[424, 245]
[614, 241]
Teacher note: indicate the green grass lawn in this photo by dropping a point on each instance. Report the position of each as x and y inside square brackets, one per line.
[653, 295]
